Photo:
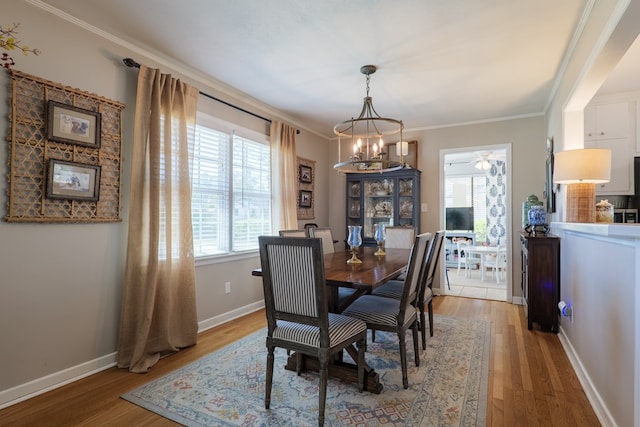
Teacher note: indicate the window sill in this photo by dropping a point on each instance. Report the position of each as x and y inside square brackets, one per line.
[219, 259]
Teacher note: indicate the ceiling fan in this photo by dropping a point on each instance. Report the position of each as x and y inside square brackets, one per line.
[482, 160]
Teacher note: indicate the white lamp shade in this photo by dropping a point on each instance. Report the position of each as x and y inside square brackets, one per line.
[402, 148]
[588, 165]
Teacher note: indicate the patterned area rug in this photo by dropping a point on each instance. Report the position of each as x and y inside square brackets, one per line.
[226, 388]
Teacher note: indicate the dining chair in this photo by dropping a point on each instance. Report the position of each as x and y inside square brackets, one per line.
[394, 288]
[497, 263]
[392, 315]
[327, 238]
[425, 291]
[293, 233]
[294, 266]
[399, 237]
[465, 257]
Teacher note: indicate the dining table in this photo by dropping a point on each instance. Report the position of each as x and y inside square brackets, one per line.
[374, 271]
[483, 251]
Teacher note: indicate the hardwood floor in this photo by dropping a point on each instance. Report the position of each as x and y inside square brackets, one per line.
[531, 382]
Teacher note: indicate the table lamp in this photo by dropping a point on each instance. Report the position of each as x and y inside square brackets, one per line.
[581, 170]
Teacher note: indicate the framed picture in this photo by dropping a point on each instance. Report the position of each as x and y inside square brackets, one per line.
[550, 188]
[305, 199]
[73, 125]
[75, 181]
[411, 158]
[305, 174]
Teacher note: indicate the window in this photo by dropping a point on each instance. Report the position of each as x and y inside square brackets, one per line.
[231, 188]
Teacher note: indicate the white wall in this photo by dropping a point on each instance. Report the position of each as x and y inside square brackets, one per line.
[608, 33]
[59, 314]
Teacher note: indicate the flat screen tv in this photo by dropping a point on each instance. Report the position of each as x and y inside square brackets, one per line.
[459, 219]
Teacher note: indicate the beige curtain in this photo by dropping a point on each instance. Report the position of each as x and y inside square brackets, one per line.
[158, 307]
[285, 176]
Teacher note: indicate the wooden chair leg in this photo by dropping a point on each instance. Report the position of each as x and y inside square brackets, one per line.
[416, 350]
[430, 309]
[269, 382]
[361, 348]
[403, 359]
[324, 376]
[423, 328]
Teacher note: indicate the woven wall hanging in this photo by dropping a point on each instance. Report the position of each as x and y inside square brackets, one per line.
[65, 154]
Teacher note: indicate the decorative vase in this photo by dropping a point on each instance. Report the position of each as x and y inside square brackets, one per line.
[379, 236]
[354, 240]
[532, 200]
[537, 215]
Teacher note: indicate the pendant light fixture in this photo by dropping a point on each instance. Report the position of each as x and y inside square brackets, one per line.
[366, 135]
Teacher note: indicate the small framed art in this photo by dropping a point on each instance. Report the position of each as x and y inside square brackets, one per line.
[305, 199]
[305, 174]
[73, 125]
[75, 181]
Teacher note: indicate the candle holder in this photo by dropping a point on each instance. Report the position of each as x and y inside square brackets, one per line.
[354, 240]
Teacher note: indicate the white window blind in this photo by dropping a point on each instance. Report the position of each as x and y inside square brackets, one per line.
[231, 189]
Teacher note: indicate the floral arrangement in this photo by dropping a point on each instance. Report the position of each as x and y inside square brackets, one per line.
[8, 41]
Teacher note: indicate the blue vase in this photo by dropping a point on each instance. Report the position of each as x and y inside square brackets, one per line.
[537, 215]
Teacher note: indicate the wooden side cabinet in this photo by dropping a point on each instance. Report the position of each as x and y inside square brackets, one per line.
[541, 280]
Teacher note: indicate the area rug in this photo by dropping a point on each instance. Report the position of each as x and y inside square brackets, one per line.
[226, 388]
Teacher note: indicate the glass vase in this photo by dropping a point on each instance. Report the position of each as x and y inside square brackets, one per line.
[379, 236]
[354, 240]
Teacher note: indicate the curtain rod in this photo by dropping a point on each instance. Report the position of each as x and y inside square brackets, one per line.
[133, 64]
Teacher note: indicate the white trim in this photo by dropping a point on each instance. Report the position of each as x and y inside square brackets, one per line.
[55, 380]
[61, 378]
[599, 407]
[229, 316]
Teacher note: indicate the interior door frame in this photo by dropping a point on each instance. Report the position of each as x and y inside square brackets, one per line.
[508, 203]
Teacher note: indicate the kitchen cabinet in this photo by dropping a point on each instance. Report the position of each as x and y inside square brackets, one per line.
[540, 256]
[606, 121]
[611, 126]
[390, 198]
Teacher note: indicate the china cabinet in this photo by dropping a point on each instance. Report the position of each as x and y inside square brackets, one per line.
[389, 198]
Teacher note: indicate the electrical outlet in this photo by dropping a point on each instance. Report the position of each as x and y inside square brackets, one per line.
[423, 207]
[227, 287]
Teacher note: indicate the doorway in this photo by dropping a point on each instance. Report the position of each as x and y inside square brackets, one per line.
[476, 211]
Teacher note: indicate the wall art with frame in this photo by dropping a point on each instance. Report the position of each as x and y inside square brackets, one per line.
[306, 182]
[65, 156]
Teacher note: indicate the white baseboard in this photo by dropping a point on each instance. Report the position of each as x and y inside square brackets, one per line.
[599, 407]
[228, 316]
[58, 379]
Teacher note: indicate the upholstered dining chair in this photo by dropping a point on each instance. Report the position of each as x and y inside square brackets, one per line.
[399, 237]
[294, 266]
[293, 233]
[327, 238]
[425, 291]
[394, 288]
[392, 315]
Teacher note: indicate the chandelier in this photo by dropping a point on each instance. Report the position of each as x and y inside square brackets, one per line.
[366, 134]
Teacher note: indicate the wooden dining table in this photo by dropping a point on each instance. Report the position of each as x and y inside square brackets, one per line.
[372, 272]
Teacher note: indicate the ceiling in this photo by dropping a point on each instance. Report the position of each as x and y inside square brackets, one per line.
[440, 63]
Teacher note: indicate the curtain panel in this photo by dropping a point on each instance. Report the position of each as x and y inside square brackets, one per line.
[159, 308]
[284, 176]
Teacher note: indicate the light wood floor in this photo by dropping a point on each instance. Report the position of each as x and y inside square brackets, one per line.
[531, 382]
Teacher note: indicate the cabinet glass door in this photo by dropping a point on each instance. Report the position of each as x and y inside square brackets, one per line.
[378, 204]
[405, 201]
[353, 203]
